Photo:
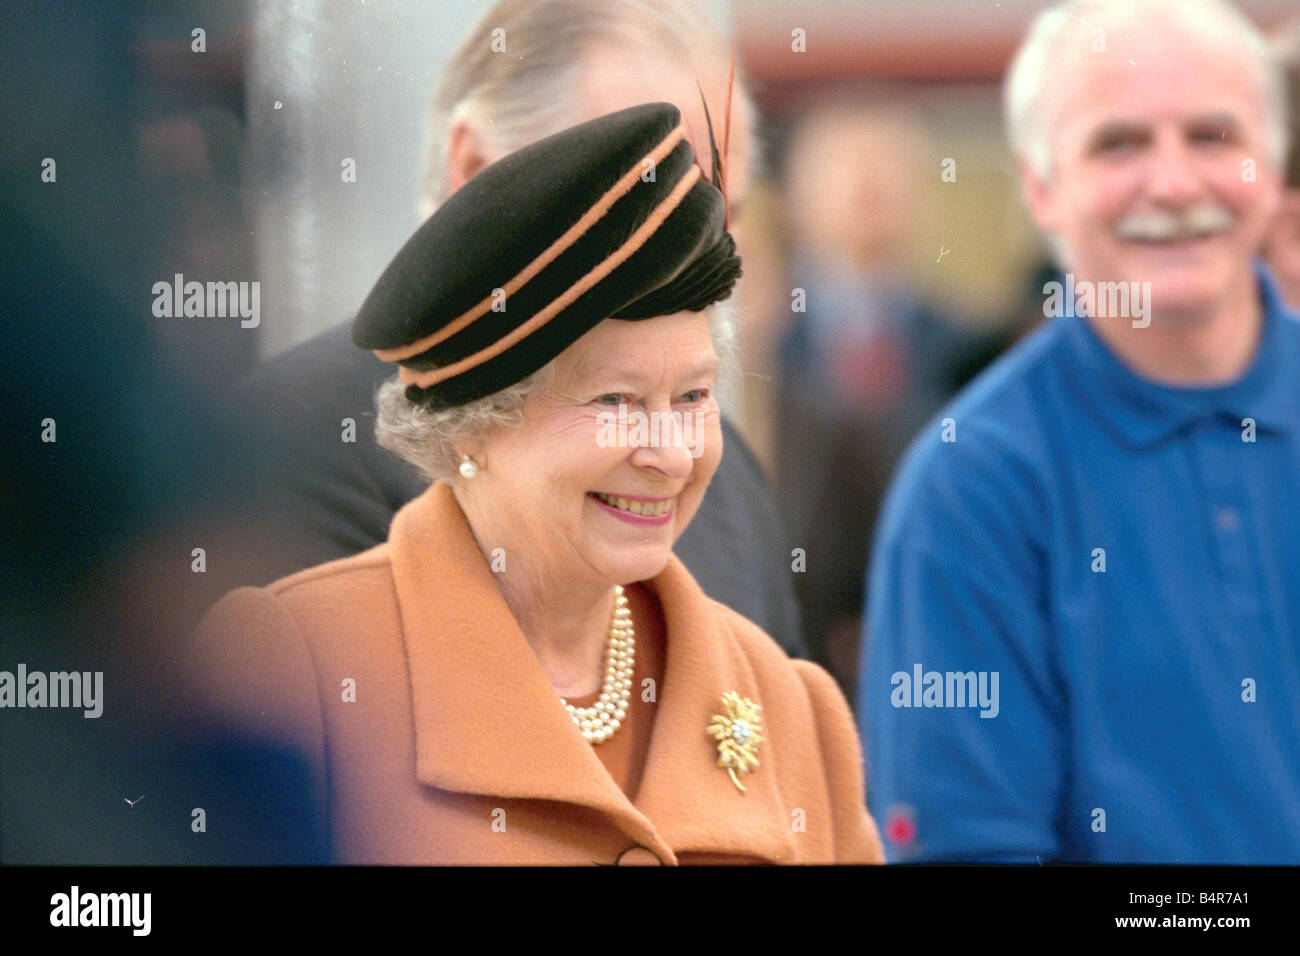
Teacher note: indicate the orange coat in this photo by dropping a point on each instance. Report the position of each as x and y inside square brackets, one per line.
[457, 750]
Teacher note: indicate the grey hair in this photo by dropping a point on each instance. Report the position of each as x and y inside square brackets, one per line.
[428, 439]
[1031, 110]
[516, 98]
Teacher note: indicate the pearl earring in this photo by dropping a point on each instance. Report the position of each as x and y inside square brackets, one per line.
[468, 467]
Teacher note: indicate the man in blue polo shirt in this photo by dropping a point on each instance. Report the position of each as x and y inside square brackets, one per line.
[1084, 620]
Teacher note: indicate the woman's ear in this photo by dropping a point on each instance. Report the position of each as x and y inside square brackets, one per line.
[470, 458]
[466, 155]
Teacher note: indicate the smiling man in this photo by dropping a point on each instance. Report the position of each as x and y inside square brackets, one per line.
[1106, 518]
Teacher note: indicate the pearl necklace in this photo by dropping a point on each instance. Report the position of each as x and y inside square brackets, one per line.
[599, 722]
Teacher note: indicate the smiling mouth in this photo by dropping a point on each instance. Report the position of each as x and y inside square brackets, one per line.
[1163, 228]
[647, 509]
[1170, 241]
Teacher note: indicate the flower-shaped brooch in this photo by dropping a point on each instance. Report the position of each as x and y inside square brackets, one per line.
[737, 731]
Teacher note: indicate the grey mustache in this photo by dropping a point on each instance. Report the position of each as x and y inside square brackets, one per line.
[1163, 225]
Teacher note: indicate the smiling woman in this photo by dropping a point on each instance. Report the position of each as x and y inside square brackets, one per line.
[528, 673]
[538, 494]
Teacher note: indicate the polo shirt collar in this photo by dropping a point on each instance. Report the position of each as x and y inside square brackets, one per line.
[1143, 413]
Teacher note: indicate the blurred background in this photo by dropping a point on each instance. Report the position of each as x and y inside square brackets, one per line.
[888, 259]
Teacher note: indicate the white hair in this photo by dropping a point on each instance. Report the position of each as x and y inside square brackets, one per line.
[1031, 106]
[515, 98]
[428, 438]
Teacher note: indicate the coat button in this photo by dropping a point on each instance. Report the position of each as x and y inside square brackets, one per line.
[638, 856]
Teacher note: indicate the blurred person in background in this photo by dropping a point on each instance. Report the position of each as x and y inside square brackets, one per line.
[864, 362]
[94, 470]
[1086, 588]
[1283, 246]
[570, 60]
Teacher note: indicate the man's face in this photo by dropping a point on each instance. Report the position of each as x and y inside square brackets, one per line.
[1160, 171]
[852, 185]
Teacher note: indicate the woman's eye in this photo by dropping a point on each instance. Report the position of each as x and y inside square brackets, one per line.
[695, 395]
[613, 400]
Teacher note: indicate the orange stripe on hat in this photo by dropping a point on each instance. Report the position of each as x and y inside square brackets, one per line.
[614, 260]
[552, 252]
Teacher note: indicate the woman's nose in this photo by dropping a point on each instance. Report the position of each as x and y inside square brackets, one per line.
[668, 443]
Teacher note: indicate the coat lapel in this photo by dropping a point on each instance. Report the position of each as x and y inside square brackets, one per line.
[692, 801]
[488, 721]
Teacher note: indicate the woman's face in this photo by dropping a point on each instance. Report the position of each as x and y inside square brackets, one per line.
[630, 425]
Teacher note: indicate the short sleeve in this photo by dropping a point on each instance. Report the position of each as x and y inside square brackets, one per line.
[963, 717]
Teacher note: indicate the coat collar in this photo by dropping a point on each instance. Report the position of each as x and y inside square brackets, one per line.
[487, 720]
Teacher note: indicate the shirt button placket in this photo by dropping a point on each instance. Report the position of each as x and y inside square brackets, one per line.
[1219, 451]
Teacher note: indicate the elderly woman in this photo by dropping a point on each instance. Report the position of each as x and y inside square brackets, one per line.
[524, 673]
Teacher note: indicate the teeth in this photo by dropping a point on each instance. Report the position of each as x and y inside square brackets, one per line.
[648, 509]
[1167, 226]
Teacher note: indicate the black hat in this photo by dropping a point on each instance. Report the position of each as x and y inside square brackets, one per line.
[609, 219]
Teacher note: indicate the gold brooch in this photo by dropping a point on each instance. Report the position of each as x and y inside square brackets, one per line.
[737, 731]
